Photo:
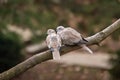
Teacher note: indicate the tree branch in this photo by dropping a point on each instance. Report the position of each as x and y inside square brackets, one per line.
[98, 37]
[46, 55]
[95, 39]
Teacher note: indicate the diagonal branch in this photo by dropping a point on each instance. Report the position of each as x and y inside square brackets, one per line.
[95, 39]
[46, 55]
[98, 37]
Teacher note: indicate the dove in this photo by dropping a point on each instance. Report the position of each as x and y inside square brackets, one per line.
[70, 36]
[54, 43]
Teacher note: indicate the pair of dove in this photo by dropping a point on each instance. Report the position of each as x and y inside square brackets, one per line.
[67, 36]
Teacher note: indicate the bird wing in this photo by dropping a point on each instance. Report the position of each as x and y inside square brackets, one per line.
[74, 33]
[78, 35]
[59, 40]
[48, 41]
[84, 39]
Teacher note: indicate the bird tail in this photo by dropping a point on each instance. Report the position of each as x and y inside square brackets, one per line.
[56, 54]
[87, 49]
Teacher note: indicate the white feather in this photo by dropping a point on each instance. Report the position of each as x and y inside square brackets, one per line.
[56, 54]
[87, 49]
[54, 42]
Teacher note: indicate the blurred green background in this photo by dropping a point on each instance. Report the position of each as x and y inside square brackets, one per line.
[25, 22]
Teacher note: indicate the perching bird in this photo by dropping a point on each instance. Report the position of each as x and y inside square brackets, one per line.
[54, 43]
[70, 36]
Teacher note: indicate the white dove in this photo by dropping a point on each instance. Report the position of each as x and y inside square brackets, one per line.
[54, 43]
[70, 36]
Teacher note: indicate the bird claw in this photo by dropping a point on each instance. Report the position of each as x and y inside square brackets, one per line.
[51, 49]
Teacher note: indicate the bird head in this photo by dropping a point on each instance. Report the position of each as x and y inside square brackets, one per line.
[49, 31]
[60, 28]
